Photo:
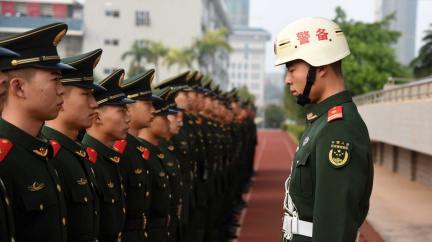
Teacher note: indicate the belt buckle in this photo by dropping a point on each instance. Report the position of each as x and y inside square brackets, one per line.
[287, 227]
[168, 220]
[143, 222]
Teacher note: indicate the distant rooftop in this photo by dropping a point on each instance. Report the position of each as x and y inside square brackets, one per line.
[249, 29]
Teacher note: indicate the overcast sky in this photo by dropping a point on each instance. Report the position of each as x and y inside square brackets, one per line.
[274, 15]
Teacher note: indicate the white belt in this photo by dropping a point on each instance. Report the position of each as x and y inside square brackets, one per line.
[292, 225]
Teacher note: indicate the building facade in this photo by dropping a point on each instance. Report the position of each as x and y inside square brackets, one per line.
[22, 15]
[238, 12]
[115, 25]
[247, 67]
[405, 22]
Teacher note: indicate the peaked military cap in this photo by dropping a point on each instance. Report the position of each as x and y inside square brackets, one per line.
[217, 92]
[207, 86]
[171, 98]
[179, 80]
[192, 81]
[113, 94]
[200, 82]
[37, 48]
[162, 106]
[84, 65]
[138, 87]
[7, 53]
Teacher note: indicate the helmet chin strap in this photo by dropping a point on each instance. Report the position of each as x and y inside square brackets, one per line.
[303, 99]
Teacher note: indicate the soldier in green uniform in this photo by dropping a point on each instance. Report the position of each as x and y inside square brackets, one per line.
[7, 227]
[332, 171]
[135, 168]
[110, 123]
[72, 166]
[160, 190]
[34, 95]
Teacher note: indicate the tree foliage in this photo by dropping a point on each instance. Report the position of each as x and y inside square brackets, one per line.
[244, 94]
[372, 59]
[274, 116]
[422, 64]
[137, 53]
[182, 57]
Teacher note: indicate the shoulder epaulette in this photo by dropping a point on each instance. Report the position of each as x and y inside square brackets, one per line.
[120, 146]
[56, 147]
[5, 147]
[334, 113]
[92, 155]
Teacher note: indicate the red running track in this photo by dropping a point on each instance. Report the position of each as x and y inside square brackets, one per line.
[262, 219]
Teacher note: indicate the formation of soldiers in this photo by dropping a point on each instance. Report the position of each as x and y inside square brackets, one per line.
[118, 160]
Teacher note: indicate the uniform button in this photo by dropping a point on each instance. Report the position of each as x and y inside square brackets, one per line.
[139, 184]
[180, 200]
[191, 187]
[96, 213]
[184, 152]
[169, 196]
[164, 185]
[173, 174]
[121, 186]
[58, 188]
[112, 200]
[41, 207]
[85, 199]
[145, 234]
[64, 221]
[124, 210]
[196, 149]
[12, 239]
[147, 172]
[7, 201]
[147, 194]
[119, 235]
[92, 184]
[168, 234]
[297, 162]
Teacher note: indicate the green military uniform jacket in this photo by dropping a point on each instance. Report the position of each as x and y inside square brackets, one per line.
[332, 171]
[104, 160]
[172, 168]
[7, 227]
[182, 153]
[137, 181]
[78, 184]
[160, 193]
[33, 185]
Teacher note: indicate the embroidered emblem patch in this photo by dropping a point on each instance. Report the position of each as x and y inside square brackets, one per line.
[339, 153]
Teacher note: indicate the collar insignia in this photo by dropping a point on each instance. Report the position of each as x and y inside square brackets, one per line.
[82, 182]
[36, 187]
[42, 151]
[170, 164]
[138, 171]
[162, 174]
[171, 147]
[81, 153]
[161, 156]
[141, 149]
[116, 159]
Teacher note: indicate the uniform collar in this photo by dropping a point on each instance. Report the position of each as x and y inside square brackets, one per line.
[319, 109]
[64, 141]
[39, 145]
[107, 152]
[135, 142]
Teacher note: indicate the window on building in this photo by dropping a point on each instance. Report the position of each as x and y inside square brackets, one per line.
[239, 75]
[246, 56]
[246, 46]
[115, 42]
[245, 76]
[245, 66]
[108, 13]
[255, 76]
[256, 66]
[20, 9]
[239, 65]
[111, 42]
[112, 13]
[107, 70]
[233, 65]
[142, 18]
[255, 86]
[232, 84]
[107, 42]
[233, 75]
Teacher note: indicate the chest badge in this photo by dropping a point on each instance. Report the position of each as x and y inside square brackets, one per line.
[111, 185]
[82, 182]
[305, 141]
[138, 171]
[36, 187]
[339, 153]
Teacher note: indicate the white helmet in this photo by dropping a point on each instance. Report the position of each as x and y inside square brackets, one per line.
[318, 41]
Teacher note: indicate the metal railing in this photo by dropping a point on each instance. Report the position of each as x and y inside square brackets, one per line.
[418, 90]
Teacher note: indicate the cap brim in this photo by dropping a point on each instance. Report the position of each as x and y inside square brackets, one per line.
[149, 98]
[178, 108]
[59, 65]
[7, 53]
[93, 86]
[119, 102]
[167, 112]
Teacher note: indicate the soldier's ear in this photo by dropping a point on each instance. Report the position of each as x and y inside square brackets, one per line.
[97, 117]
[17, 87]
[322, 70]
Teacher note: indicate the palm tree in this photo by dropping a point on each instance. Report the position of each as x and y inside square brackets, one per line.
[153, 50]
[209, 44]
[422, 64]
[183, 57]
[137, 53]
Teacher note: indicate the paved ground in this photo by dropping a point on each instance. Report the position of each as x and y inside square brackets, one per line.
[262, 220]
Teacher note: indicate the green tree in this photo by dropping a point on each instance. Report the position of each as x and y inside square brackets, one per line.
[138, 54]
[207, 46]
[244, 94]
[183, 57]
[372, 59]
[423, 62]
[274, 116]
[153, 50]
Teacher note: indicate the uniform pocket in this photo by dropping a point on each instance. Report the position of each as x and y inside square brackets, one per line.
[137, 181]
[39, 201]
[110, 196]
[301, 178]
[81, 195]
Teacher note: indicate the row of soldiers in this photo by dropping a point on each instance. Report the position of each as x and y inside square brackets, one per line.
[118, 160]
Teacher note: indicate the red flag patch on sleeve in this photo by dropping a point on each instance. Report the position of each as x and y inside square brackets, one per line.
[120, 146]
[5, 147]
[56, 147]
[92, 155]
[334, 113]
[146, 154]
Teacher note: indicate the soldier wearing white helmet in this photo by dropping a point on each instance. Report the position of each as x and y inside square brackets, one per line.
[328, 191]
